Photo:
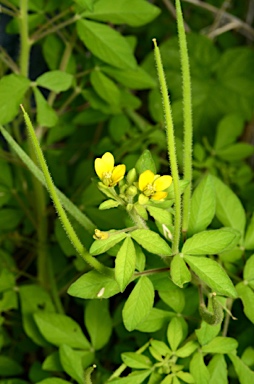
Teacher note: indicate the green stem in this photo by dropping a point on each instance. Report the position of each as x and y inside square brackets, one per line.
[61, 212]
[24, 38]
[140, 223]
[187, 116]
[171, 148]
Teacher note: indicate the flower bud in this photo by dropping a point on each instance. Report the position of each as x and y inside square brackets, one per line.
[131, 176]
[142, 199]
[132, 191]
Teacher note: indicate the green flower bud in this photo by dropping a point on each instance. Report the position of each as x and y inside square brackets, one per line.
[142, 199]
[132, 191]
[129, 207]
[131, 176]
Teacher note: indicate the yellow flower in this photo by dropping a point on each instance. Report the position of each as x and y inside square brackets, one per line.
[153, 185]
[107, 172]
[99, 235]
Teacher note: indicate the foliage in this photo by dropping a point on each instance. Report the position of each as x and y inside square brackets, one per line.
[144, 274]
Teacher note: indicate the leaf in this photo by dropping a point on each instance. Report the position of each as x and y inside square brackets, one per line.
[155, 320]
[199, 370]
[218, 370]
[248, 271]
[145, 162]
[71, 363]
[33, 299]
[52, 362]
[173, 297]
[211, 242]
[139, 304]
[212, 274]
[236, 152]
[175, 333]
[161, 215]
[7, 280]
[93, 285]
[135, 360]
[106, 43]
[57, 81]
[131, 12]
[60, 329]
[105, 88]
[101, 246]
[125, 263]
[179, 271]
[247, 296]
[89, 4]
[220, 344]
[53, 380]
[9, 367]
[202, 206]
[46, 116]
[187, 349]
[136, 377]
[233, 123]
[10, 218]
[99, 331]
[10, 100]
[249, 237]
[229, 209]
[207, 332]
[151, 241]
[131, 78]
[245, 375]
[108, 204]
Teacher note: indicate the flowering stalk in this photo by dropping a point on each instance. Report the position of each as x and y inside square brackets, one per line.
[187, 116]
[171, 148]
[61, 212]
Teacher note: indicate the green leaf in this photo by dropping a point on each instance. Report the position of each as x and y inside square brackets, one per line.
[131, 78]
[245, 375]
[9, 367]
[151, 241]
[46, 116]
[140, 258]
[125, 263]
[99, 331]
[212, 274]
[10, 218]
[207, 332]
[6, 178]
[248, 272]
[139, 303]
[186, 377]
[7, 280]
[179, 272]
[136, 377]
[159, 347]
[71, 363]
[155, 320]
[202, 206]
[134, 360]
[187, 349]
[233, 123]
[52, 362]
[145, 162]
[249, 237]
[57, 81]
[106, 43]
[229, 209]
[236, 152]
[161, 215]
[89, 4]
[175, 333]
[131, 12]
[218, 370]
[211, 242]
[173, 297]
[33, 299]
[101, 246]
[93, 285]
[53, 380]
[10, 100]
[246, 294]
[220, 344]
[199, 370]
[108, 204]
[60, 329]
[105, 87]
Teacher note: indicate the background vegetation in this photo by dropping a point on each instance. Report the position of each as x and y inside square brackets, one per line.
[84, 71]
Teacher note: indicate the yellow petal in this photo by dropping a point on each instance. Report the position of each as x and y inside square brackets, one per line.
[162, 183]
[159, 196]
[145, 178]
[104, 164]
[118, 173]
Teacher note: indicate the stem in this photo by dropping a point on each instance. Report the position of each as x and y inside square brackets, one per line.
[187, 116]
[171, 148]
[24, 38]
[61, 212]
[140, 223]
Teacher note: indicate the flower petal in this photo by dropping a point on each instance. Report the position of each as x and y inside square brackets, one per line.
[118, 173]
[145, 178]
[104, 164]
[159, 196]
[162, 183]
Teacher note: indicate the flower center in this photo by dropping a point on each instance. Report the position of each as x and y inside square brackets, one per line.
[149, 190]
[107, 178]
